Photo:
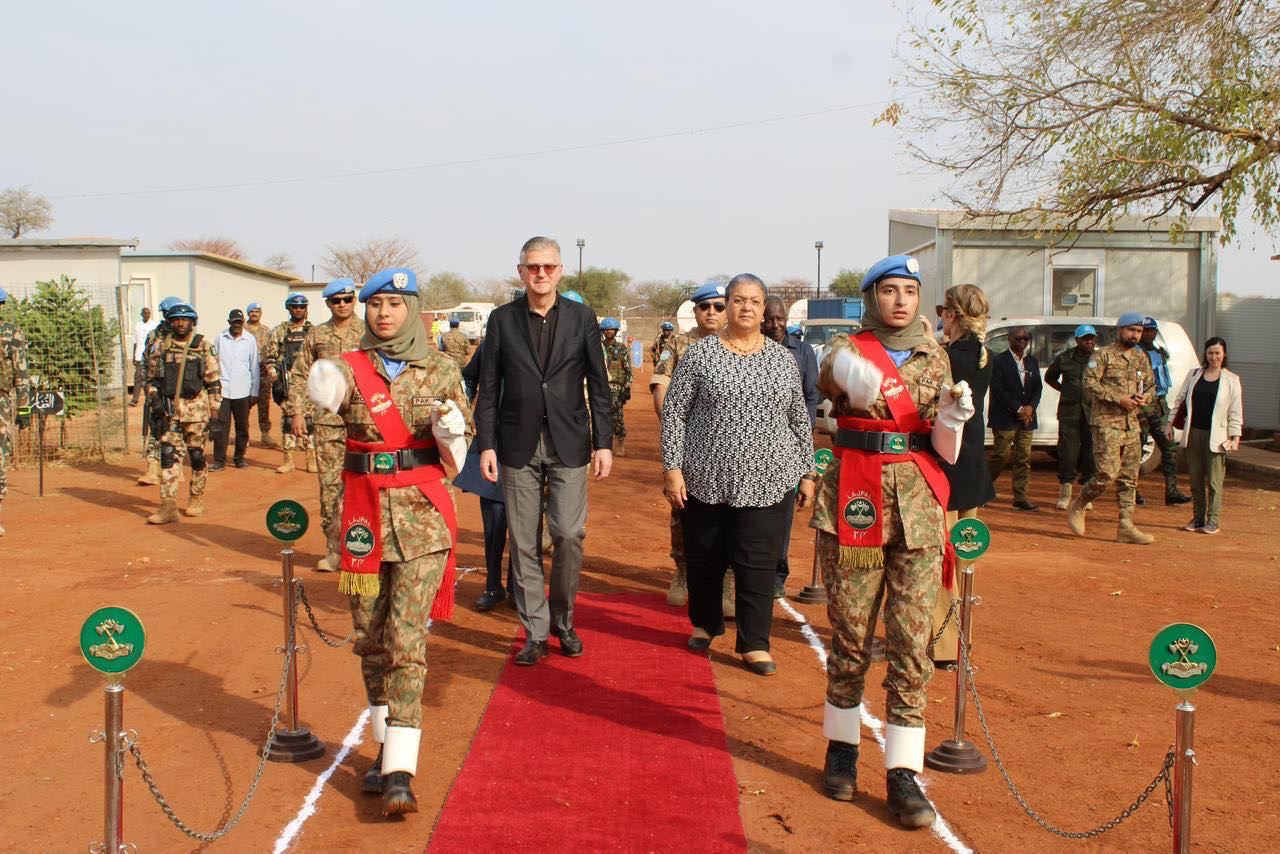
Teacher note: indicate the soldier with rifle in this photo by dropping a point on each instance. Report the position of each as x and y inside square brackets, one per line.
[285, 344]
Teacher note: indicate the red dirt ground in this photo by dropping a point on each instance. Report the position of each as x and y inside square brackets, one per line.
[1061, 644]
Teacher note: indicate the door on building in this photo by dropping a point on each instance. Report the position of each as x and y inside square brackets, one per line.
[1075, 291]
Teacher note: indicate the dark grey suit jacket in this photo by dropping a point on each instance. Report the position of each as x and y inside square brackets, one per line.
[516, 394]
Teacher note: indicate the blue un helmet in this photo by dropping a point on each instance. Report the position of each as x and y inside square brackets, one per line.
[1084, 330]
[794, 329]
[167, 304]
[573, 295]
[182, 309]
[454, 321]
[610, 323]
[667, 326]
[4, 295]
[295, 300]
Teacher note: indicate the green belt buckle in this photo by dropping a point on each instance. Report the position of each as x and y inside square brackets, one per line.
[384, 463]
[896, 443]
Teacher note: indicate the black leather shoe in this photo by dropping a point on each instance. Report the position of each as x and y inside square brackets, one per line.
[1176, 497]
[761, 668]
[533, 652]
[570, 644]
[397, 797]
[373, 781]
[1139, 500]
[906, 801]
[240, 464]
[217, 466]
[1025, 505]
[840, 772]
[698, 644]
[488, 600]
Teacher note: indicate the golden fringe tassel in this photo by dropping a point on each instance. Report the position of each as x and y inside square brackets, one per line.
[861, 557]
[359, 583]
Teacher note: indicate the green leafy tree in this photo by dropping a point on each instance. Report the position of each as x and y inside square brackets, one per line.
[1066, 114]
[70, 342]
[444, 290]
[600, 288]
[846, 283]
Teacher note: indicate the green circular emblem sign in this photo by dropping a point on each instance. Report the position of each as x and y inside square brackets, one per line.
[111, 640]
[358, 540]
[821, 459]
[286, 520]
[971, 538]
[860, 513]
[1183, 656]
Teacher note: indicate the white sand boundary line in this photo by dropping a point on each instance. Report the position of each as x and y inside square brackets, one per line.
[940, 827]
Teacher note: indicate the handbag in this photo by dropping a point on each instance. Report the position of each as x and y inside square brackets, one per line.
[1179, 421]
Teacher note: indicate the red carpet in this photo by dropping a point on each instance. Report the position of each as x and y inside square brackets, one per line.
[620, 750]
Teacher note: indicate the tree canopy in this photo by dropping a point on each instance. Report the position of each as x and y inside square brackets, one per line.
[361, 259]
[1067, 114]
[600, 288]
[443, 290]
[225, 246]
[847, 283]
[22, 210]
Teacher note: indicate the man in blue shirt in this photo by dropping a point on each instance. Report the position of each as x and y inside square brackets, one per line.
[774, 325]
[237, 353]
[1156, 415]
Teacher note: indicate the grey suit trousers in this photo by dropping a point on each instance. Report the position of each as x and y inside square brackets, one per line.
[566, 506]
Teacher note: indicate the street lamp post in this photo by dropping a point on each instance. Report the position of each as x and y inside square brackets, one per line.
[581, 243]
[817, 244]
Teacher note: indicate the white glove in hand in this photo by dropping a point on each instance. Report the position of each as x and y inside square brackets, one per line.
[449, 426]
[859, 379]
[326, 385]
[955, 405]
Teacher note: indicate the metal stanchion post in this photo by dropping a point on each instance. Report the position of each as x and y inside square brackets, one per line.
[958, 755]
[814, 593]
[295, 744]
[113, 751]
[1184, 760]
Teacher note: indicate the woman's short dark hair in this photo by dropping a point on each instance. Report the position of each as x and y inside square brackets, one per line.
[744, 279]
[1221, 342]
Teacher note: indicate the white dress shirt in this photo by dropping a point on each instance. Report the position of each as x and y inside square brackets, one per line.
[238, 363]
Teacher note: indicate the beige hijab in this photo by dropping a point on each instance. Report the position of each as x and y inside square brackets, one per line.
[907, 338]
[410, 344]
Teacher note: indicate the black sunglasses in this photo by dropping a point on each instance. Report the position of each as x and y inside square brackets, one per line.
[547, 269]
[717, 306]
[341, 300]
[1020, 338]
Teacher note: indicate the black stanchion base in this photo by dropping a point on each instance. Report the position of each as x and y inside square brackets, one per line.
[956, 757]
[812, 594]
[296, 746]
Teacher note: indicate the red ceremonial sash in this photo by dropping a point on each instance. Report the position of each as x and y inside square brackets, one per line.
[361, 506]
[860, 521]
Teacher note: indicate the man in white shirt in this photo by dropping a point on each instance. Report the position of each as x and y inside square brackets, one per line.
[238, 361]
[141, 330]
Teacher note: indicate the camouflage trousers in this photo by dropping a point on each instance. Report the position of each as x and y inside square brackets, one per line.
[187, 438]
[908, 586]
[331, 445]
[291, 442]
[391, 636]
[1117, 454]
[677, 539]
[1154, 425]
[8, 431]
[616, 404]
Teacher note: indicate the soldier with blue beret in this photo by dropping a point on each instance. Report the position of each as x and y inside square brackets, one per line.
[660, 343]
[1118, 383]
[1065, 375]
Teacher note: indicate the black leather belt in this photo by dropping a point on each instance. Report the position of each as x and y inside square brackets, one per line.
[882, 443]
[390, 462]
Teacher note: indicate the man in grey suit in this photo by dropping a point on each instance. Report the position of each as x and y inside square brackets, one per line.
[532, 420]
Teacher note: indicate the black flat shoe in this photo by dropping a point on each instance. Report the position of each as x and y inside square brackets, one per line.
[570, 644]
[488, 600]
[1025, 505]
[533, 652]
[761, 668]
[698, 644]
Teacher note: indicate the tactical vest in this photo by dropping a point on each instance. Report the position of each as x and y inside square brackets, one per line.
[192, 374]
[293, 338]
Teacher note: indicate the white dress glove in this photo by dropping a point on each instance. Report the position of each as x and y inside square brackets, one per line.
[449, 426]
[326, 385]
[955, 407]
[858, 378]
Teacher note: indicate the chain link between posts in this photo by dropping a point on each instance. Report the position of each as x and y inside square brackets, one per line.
[1164, 775]
[946, 621]
[257, 777]
[311, 615]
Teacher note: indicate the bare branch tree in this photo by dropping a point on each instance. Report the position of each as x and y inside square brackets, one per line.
[280, 262]
[1062, 115]
[22, 210]
[224, 246]
[361, 260]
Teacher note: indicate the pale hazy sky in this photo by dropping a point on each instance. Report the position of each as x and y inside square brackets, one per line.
[467, 127]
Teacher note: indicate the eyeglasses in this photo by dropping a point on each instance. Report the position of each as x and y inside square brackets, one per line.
[546, 269]
[1020, 338]
[716, 306]
[341, 300]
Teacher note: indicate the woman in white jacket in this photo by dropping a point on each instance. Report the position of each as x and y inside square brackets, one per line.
[1212, 428]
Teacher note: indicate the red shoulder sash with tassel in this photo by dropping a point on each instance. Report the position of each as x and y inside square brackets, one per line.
[361, 508]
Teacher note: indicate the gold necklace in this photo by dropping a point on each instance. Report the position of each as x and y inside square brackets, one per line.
[745, 351]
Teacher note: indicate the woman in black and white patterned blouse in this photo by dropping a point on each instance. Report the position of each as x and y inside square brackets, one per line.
[736, 439]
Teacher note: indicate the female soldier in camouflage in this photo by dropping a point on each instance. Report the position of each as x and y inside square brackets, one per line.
[879, 515]
[405, 413]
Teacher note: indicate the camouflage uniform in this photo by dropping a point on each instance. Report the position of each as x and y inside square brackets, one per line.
[282, 350]
[456, 347]
[1115, 373]
[15, 395]
[390, 628]
[617, 361]
[325, 341]
[262, 335]
[662, 342]
[1075, 437]
[189, 428]
[1155, 420]
[914, 539]
[151, 443]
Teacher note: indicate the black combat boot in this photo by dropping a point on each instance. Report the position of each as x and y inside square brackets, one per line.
[840, 773]
[906, 801]
[397, 797]
[373, 780]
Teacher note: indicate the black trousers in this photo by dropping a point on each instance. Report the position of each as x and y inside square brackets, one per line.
[789, 515]
[236, 411]
[747, 540]
[493, 515]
